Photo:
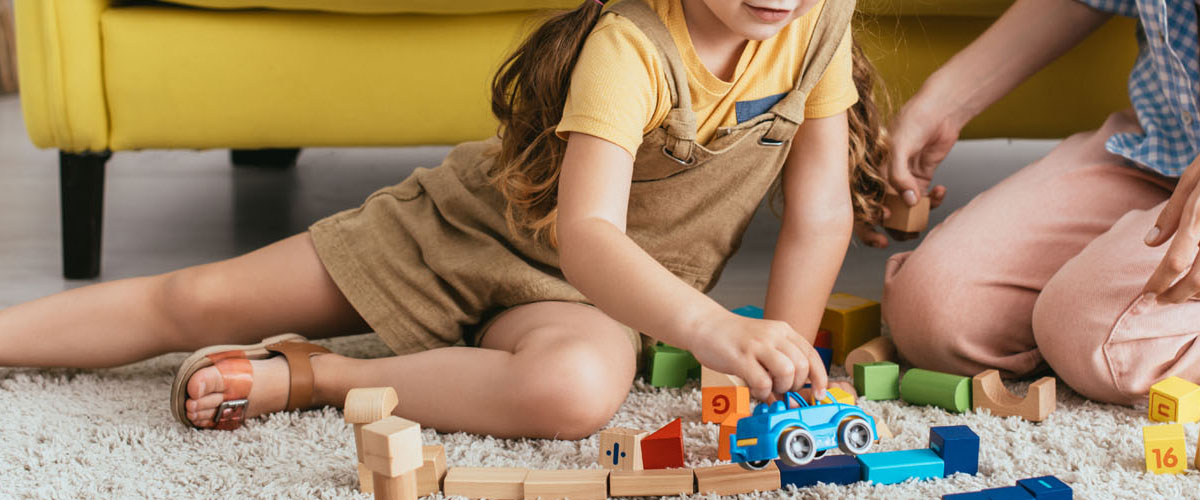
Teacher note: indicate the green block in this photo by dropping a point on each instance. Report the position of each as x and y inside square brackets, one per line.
[925, 387]
[670, 366]
[877, 381]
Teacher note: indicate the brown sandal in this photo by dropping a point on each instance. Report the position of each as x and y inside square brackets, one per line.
[233, 362]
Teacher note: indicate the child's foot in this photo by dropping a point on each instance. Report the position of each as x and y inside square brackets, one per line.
[268, 394]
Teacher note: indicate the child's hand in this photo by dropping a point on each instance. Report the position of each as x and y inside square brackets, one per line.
[769, 355]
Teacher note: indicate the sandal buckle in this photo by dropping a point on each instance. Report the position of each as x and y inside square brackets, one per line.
[237, 411]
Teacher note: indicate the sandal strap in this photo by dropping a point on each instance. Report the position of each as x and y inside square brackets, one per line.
[237, 376]
[298, 355]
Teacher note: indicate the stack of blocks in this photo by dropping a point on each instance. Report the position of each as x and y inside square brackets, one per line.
[622, 451]
[723, 396]
[851, 321]
[392, 447]
[953, 449]
[367, 406]
[1034, 488]
[364, 406]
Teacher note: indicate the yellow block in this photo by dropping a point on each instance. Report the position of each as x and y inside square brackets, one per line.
[840, 396]
[852, 321]
[721, 402]
[1175, 400]
[1166, 451]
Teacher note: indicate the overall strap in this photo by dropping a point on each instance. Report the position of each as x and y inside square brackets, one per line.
[827, 36]
[681, 120]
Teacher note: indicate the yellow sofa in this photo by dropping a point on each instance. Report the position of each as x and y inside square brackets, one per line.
[99, 76]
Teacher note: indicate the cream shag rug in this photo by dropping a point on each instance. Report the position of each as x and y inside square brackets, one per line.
[109, 434]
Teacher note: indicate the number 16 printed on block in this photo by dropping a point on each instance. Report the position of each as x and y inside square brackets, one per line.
[1166, 450]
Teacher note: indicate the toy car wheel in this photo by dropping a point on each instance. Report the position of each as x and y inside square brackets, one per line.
[855, 436]
[756, 464]
[797, 447]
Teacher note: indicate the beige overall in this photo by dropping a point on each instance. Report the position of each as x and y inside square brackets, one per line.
[431, 258]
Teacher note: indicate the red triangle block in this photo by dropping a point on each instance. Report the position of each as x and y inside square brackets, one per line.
[664, 448]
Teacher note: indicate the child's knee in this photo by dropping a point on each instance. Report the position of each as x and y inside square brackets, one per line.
[573, 395]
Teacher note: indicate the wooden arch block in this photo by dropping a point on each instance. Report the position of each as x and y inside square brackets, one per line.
[988, 391]
[365, 405]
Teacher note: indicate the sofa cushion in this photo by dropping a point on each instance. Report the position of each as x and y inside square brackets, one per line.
[983, 8]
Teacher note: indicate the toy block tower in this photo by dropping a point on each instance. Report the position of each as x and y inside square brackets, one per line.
[1166, 450]
[722, 395]
[1175, 400]
[958, 446]
[664, 448]
[393, 453]
[852, 321]
[364, 406]
[728, 428]
[621, 449]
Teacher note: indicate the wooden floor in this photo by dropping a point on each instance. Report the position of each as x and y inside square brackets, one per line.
[169, 209]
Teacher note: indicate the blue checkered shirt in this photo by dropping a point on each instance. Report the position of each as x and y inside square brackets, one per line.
[1163, 85]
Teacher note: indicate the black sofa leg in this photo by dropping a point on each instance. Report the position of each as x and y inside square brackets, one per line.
[279, 158]
[81, 185]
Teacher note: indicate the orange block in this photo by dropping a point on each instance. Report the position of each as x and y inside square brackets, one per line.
[721, 402]
[728, 428]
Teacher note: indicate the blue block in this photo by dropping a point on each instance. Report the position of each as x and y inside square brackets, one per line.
[1047, 488]
[893, 467]
[970, 495]
[749, 312]
[958, 445]
[1008, 493]
[833, 469]
[826, 356]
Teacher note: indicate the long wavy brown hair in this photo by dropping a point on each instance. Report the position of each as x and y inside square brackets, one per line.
[529, 92]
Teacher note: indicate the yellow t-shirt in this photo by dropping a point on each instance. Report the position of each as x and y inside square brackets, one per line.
[619, 87]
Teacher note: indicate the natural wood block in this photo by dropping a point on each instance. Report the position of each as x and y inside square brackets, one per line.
[732, 479]
[621, 449]
[368, 404]
[433, 471]
[728, 428]
[721, 402]
[1175, 400]
[882, 431]
[402, 487]
[358, 442]
[389, 466]
[1166, 450]
[394, 437]
[640, 483]
[364, 479]
[497, 483]
[713, 378]
[904, 218]
[876, 350]
[852, 321]
[988, 391]
[586, 484]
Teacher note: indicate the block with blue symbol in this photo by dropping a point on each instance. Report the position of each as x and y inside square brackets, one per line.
[1047, 488]
[621, 449]
[833, 469]
[893, 467]
[958, 445]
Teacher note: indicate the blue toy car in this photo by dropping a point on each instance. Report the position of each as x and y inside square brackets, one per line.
[796, 432]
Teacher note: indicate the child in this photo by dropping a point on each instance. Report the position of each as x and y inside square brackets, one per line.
[633, 150]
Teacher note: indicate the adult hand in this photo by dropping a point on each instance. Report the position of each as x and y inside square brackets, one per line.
[922, 134]
[1181, 218]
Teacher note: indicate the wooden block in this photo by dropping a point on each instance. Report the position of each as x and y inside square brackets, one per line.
[824, 339]
[721, 402]
[903, 218]
[840, 396]
[988, 391]
[642, 483]
[433, 471]
[878, 381]
[882, 431]
[1175, 400]
[358, 443]
[402, 487]
[891, 467]
[621, 449]
[958, 446]
[728, 428]
[732, 479]
[368, 404]
[851, 321]
[670, 366]
[876, 350]
[664, 448]
[396, 439]
[1166, 450]
[497, 483]
[364, 479]
[588, 484]
[713, 378]
[927, 387]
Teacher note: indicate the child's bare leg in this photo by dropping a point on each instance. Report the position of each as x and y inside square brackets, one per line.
[279, 288]
[548, 369]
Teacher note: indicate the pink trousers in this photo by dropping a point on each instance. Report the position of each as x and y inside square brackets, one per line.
[1046, 269]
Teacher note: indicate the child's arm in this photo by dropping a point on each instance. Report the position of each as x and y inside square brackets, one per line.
[817, 222]
[630, 286]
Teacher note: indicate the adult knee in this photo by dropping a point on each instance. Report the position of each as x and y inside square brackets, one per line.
[928, 310]
[572, 395]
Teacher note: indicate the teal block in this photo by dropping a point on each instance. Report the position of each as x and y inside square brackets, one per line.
[893, 467]
[878, 381]
[669, 366]
[749, 312]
